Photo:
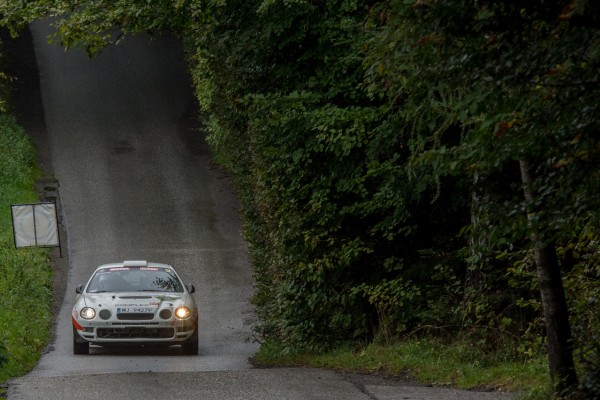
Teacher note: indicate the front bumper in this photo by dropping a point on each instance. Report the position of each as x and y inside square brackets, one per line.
[134, 332]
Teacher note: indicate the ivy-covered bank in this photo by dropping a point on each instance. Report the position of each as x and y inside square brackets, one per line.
[25, 275]
[407, 167]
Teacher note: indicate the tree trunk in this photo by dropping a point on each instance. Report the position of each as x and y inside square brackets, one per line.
[474, 283]
[554, 304]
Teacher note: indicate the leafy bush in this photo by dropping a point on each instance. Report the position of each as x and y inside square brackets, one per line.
[582, 282]
[25, 315]
[590, 380]
[17, 157]
[25, 274]
[363, 150]
[4, 82]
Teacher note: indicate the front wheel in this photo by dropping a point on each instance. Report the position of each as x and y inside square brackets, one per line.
[80, 347]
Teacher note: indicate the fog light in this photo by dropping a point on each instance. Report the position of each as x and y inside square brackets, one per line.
[165, 313]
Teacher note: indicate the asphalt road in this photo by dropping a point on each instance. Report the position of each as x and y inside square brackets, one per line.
[135, 182]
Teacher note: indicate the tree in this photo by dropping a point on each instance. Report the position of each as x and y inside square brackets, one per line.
[95, 24]
[556, 316]
[518, 79]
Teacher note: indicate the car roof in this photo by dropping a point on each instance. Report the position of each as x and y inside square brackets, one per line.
[134, 263]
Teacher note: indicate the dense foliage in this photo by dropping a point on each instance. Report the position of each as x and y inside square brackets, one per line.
[4, 82]
[25, 275]
[380, 150]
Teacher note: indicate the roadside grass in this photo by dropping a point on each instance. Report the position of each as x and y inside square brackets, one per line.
[25, 274]
[429, 361]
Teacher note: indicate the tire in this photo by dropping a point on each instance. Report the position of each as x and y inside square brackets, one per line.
[80, 347]
[190, 346]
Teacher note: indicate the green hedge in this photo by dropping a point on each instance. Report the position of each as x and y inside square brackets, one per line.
[25, 274]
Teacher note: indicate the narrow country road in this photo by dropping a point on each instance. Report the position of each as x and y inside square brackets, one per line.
[135, 182]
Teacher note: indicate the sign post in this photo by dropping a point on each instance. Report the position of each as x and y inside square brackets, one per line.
[36, 225]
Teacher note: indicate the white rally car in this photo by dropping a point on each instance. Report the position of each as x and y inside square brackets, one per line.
[138, 303]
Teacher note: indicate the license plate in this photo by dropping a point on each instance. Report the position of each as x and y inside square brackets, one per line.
[135, 310]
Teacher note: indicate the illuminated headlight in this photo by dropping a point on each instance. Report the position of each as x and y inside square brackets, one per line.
[87, 313]
[183, 312]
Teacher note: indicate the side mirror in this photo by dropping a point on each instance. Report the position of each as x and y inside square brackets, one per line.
[79, 289]
[190, 288]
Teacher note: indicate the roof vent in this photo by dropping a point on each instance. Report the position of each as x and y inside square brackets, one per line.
[135, 263]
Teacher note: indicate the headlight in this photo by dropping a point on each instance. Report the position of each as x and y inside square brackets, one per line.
[183, 312]
[87, 313]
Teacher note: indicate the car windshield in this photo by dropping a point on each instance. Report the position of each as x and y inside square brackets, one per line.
[135, 279]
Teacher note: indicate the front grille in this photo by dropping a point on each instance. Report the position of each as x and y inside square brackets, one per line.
[135, 316]
[135, 332]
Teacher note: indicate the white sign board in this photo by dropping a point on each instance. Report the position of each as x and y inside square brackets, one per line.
[35, 225]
